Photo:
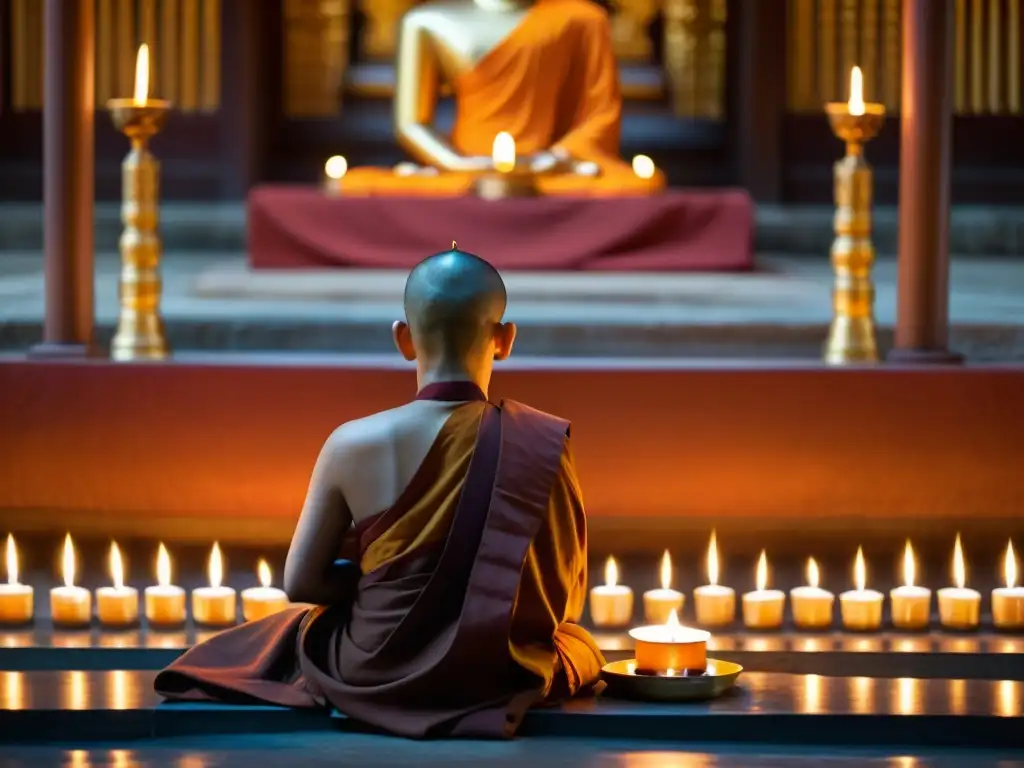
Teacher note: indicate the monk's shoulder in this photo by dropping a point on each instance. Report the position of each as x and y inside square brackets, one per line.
[534, 416]
[366, 434]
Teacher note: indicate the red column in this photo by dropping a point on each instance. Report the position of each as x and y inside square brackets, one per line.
[926, 129]
[68, 178]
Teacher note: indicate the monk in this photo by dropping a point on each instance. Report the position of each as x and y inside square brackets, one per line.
[542, 70]
[467, 531]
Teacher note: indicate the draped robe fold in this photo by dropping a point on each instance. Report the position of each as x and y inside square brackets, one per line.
[465, 613]
[551, 83]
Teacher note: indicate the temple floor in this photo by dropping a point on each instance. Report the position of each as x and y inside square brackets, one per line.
[211, 303]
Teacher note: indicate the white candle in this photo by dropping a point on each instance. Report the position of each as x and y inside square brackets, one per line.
[215, 605]
[959, 606]
[611, 604]
[911, 605]
[861, 608]
[715, 605]
[659, 603]
[812, 605]
[670, 648]
[165, 602]
[763, 608]
[70, 606]
[117, 605]
[643, 167]
[1008, 601]
[264, 600]
[16, 600]
[334, 171]
[503, 153]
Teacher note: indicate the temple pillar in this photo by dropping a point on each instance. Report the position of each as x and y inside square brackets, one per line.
[68, 178]
[926, 132]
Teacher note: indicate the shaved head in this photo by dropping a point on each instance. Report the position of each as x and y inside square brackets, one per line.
[454, 301]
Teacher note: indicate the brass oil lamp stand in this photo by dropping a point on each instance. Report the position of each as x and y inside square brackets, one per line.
[851, 337]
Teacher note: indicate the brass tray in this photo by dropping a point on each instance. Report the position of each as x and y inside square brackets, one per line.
[624, 683]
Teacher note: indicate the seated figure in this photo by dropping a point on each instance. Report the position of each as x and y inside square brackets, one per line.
[459, 608]
[541, 70]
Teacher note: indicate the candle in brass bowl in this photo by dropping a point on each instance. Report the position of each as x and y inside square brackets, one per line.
[911, 605]
[117, 605]
[17, 601]
[510, 178]
[670, 648]
[959, 606]
[861, 608]
[1008, 601]
[812, 605]
[611, 603]
[763, 608]
[659, 603]
[715, 605]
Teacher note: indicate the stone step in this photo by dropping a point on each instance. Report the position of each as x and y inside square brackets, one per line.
[119, 705]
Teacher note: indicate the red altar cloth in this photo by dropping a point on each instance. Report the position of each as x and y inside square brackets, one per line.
[292, 227]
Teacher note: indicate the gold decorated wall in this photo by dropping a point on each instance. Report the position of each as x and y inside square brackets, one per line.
[184, 37]
[826, 38]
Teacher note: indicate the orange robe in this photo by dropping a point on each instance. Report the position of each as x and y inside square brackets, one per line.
[465, 613]
[552, 83]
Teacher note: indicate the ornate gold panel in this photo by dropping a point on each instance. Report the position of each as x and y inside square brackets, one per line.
[631, 29]
[316, 36]
[380, 35]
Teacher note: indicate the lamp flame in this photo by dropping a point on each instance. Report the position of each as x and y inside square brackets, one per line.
[713, 560]
[163, 566]
[643, 167]
[264, 573]
[670, 672]
[503, 153]
[666, 571]
[68, 564]
[215, 568]
[141, 76]
[856, 102]
[611, 572]
[12, 561]
[762, 571]
[860, 571]
[909, 567]
[959, 567]
[673, 619]
[813, 576]
[116, 566]
[336, 167]
[1009, 566]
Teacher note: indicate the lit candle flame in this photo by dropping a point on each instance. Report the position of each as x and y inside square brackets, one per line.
[909, 567]
[670, 672]
[142, 76]
[666, 571]
[673, 620]
[611, 572]
[643, 167]
[959, 567]
[336, 167]
[503, 153]
[762, 571]
[856, 103]
[69, 562]
[813, 576]
[264, 572]
[860, 571]
[1009, 566]
[713, 560]
[116, 566]
[12, 561]
[163, 566]
[215, 569]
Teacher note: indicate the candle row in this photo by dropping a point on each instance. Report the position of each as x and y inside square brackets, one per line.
[118, 604]
[611, 604]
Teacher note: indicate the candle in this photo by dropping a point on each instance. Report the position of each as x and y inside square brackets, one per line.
[215, 605]
[165, 602]
[264, 600]
[70, 606]
[715, 605]
[643, 167]
[117, 605]
[763, 608]
[911, 605]
[812, 605]
[861, 608]
[959, 606]
[334, 171]
[16, 600]
[503, 153]
[659, 603]
[141, 95]
[1008, 601]
[856, 103]
[611, 605]
[669, 648]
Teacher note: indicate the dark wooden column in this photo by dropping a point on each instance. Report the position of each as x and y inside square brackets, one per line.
[756, 79]
[68, 179]
[926, 133]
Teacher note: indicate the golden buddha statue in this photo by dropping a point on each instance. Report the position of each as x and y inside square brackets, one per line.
[543, 71]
